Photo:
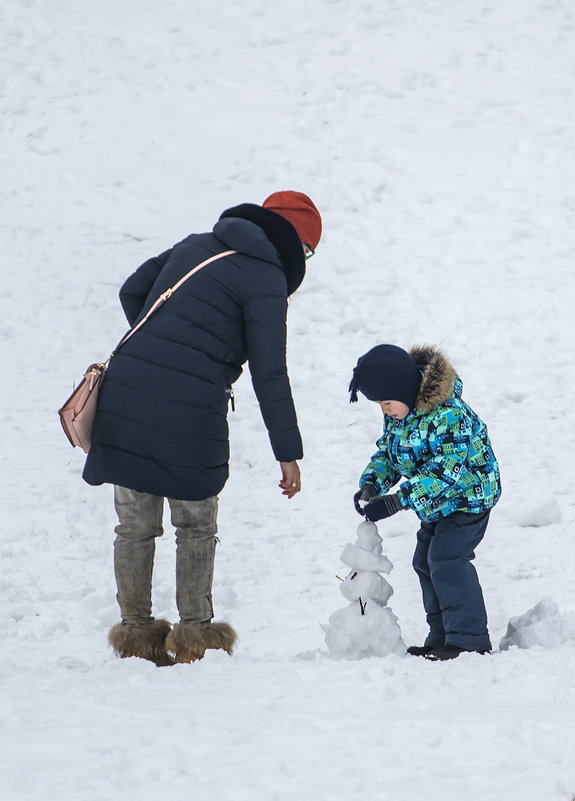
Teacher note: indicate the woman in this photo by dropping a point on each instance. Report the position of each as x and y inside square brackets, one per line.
[161, 426]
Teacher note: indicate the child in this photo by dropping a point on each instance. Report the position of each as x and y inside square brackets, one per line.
[434, 440]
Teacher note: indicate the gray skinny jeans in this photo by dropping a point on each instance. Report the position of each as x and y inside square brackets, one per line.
[140, 516]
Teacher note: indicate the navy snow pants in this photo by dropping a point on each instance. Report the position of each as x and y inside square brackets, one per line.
[452, 596]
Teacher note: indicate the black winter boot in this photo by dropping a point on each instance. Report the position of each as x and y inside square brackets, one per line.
[420, 650]
[444, 653]
[450, 652]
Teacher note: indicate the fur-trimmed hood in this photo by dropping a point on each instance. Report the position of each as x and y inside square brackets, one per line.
[439, 378]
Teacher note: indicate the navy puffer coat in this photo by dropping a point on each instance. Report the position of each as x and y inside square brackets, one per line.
[161, 424]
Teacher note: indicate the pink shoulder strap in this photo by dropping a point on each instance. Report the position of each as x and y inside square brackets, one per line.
[167, 294]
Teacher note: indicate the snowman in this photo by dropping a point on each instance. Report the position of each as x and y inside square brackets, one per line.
[367, 626]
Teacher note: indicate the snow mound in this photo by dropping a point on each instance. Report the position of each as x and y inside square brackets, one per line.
[543, 513]
[541, 625]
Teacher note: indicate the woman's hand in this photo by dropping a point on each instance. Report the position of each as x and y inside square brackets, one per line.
[291, 479]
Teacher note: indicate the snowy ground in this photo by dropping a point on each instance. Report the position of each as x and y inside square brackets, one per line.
[437, 138]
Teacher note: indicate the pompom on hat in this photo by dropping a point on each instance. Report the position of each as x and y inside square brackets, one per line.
[300, 211]
[386, 372]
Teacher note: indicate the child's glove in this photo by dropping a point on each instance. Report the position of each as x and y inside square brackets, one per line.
[366, 493]
[383, 507]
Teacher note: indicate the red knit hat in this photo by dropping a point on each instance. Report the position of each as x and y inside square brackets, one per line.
[301, 213]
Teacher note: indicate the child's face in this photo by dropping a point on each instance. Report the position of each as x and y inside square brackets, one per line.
[395, 409]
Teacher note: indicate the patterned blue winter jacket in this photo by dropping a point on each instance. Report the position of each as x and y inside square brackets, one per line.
[442, 448]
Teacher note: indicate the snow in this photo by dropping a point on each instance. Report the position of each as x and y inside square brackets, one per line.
[355, 634]
[542, 625]
[437, 141]
[539, 513]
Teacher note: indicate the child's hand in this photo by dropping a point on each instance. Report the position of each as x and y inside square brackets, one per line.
[383, 507]
[365, 494]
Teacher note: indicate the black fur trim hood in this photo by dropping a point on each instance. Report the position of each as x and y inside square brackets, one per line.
[438, 380]
[280, 233]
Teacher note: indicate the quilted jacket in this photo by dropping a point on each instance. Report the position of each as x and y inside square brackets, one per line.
[161, 423]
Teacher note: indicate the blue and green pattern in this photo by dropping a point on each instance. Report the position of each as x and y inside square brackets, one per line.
[446, 457]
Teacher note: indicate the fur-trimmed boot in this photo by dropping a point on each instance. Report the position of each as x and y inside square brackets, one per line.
[189, 642]
[145, 640]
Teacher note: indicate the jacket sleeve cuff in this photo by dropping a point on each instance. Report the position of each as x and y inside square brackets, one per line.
[287, 445]
[403, 499]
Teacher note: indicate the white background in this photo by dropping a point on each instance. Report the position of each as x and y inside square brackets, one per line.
[437, 139]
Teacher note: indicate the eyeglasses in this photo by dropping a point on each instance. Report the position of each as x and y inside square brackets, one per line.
[308, 252]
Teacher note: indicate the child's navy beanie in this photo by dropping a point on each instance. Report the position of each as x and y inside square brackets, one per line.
[386, 372]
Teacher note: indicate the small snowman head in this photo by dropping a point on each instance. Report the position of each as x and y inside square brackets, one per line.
[367, 537]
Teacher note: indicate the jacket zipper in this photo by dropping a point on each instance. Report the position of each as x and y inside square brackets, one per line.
[230, 392]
